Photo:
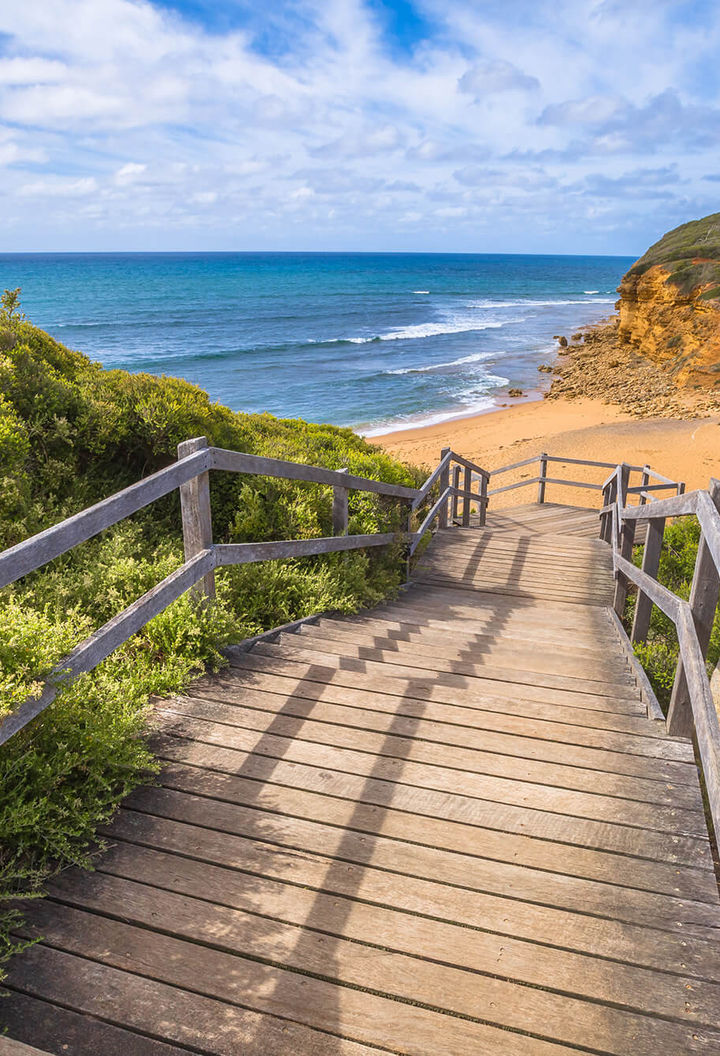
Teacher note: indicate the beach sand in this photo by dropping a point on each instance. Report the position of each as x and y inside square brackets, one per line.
[686, 448]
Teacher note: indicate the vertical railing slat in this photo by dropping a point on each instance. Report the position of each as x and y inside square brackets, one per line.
[196, 515]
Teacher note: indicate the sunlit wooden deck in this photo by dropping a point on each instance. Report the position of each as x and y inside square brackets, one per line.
[443, 827]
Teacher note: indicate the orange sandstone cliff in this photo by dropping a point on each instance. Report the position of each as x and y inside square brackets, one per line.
[670, 304]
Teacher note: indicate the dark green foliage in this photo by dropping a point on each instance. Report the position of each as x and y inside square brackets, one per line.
[70, 434]
[698, 240]
[659, 655]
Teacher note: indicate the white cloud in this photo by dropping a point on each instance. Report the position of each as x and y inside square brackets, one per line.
[487, 78]
[503, 125]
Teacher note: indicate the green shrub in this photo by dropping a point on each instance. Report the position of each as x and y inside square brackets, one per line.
[659, 655]
[70, 434]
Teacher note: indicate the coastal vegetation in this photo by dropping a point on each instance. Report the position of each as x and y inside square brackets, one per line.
[659, 654]
[70, 434]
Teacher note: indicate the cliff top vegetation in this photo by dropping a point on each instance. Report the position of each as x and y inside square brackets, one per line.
[691, 255]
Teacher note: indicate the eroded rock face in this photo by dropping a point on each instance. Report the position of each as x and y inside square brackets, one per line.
[670, 304]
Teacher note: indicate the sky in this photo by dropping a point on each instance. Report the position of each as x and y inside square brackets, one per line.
[552, 126]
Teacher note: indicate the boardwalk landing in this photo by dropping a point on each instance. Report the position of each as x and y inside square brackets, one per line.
[445, 827]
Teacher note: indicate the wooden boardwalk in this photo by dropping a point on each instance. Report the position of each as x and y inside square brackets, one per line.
[443, 828]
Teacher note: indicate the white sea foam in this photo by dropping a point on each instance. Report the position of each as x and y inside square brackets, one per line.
[591, 291]
[421, 291]
[478, 357]
[417, 332]
[526, 303]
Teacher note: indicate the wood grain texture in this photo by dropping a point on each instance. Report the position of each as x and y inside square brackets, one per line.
[446, 825]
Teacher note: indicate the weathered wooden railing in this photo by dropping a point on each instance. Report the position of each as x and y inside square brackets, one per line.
[692, 709]
[644, 489]
[191, 474]
[445, 508]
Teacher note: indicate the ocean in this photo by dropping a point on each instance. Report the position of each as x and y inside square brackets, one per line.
[374, 341]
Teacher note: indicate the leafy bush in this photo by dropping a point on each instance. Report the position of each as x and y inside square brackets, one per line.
[659, 655]
[70, 434]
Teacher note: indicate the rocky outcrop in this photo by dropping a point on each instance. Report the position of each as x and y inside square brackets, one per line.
[669, 307]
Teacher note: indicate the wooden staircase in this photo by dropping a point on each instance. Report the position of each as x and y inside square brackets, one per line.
[446, 826]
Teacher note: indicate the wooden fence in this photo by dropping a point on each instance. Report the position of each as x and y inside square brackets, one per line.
[692, 710]
[191, 474]
[644, 489]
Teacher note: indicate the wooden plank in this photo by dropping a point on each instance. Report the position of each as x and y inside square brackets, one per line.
[340, 508]
[469, 677]
[616, 684]
[484, 606]
[427, 486]
[708, 513]
[553, 796]
[568, 774]
[502, 814]
[90, 652]
[423, 630]
[410, 840]
[358, 1015]
[365, 1017]
[523, 589]
[415, 844]
[178, 1016]
[18, 560]
[705, 716]
[469, 465]
[401, 967]
[424, 621]
[68, 1033]
[655, 712]
[196, 514]
[8, 1047]
[245, 553]
[704, 594]
[514, 465]
[240, 462]
[679, 506]
[633, 736]
[576, 710]
[650, 565]
[594, 668]
[349, 902]
[558, 746]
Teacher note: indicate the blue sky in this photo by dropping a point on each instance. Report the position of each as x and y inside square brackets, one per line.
[571, 126]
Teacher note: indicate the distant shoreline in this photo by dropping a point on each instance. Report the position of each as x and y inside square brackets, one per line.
[684, 448]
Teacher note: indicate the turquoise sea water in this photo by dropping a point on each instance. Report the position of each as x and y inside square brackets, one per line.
[368, 340]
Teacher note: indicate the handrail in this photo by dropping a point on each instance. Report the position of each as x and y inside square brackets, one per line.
[692, 709]
[427, 486]
[643, 490]
[191, 475]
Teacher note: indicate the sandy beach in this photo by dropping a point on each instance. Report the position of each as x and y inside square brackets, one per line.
[682, 448]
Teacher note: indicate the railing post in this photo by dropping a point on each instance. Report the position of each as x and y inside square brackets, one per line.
[444, 482]
[627, 535]
[609, 497]
[456, 498]
[650, 565]
[604, 517]
[196, 516]
[340, 514]
[543, 474]
[467, 487]
[704, 594]
[484, 499]
[644, 483]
